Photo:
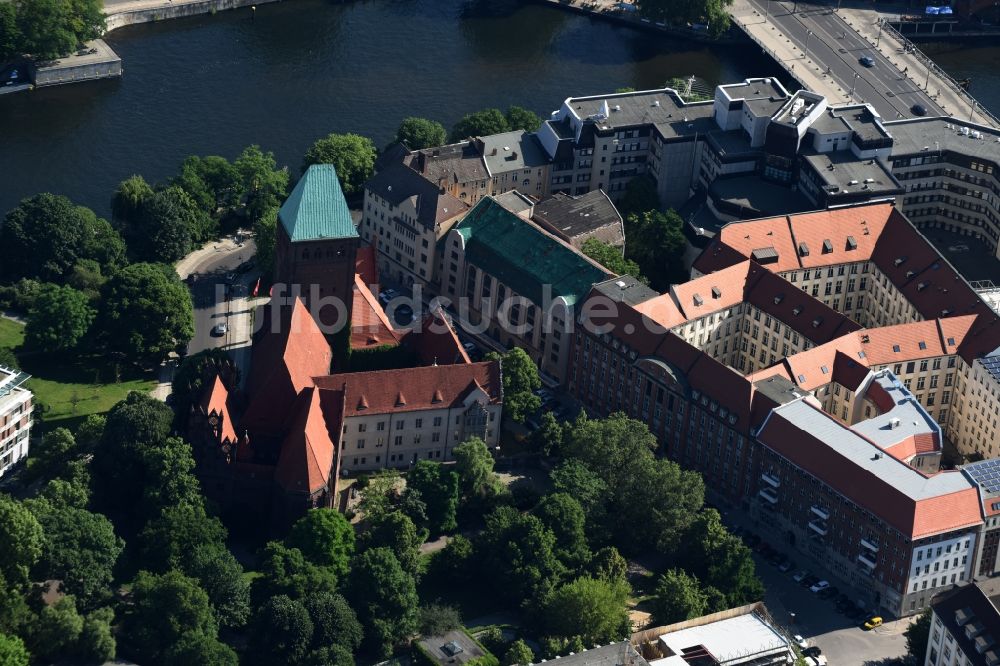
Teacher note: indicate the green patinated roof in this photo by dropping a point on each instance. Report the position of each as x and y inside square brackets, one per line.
[316, 208]
[523, 257]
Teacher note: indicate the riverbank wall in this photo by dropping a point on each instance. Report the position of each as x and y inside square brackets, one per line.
[607, 10]
[149, 11]
[95, 61]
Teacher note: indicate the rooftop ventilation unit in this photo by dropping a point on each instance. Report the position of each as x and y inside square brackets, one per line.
[698, 300]
[893, 423]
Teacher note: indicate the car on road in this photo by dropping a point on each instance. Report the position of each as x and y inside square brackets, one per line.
[918, 110]
[800, 576]
[819, 586]
[867, 61]
[801, 642]
[873, 622]
[809, 581]
[786, 566]
[220, 329]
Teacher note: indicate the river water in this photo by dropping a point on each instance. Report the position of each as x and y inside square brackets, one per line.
[304, 68]
[982, 65]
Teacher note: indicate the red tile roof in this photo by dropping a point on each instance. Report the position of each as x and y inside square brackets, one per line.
[370, 327]
[216, 401]
[427, 387]
[366, 265]
[286, 356]
[307, 452]
[913, 445]
[436, 342]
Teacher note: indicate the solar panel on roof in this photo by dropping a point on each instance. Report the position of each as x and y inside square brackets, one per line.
[986, 473]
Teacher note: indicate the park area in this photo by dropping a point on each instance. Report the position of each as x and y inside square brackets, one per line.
[70, 387]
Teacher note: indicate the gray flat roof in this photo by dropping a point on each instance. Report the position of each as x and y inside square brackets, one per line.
[761, 195]
[911, 136]
[512, 151]
[578, 215]
[663, 108]
[755, 88]
[626, 289]
[848, 167]
[913, 420]
[861, 452]
[734, 640]
[616, 654]
[732, 143]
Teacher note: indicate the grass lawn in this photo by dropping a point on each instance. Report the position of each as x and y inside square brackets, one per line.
[71, 388]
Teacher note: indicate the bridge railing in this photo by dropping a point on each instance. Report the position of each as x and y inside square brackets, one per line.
[938, 72]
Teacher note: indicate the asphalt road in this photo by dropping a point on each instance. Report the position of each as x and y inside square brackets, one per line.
[827, 40]
[208, 293]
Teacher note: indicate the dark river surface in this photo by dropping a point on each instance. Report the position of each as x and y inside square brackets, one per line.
[982, 65]
[305, 68]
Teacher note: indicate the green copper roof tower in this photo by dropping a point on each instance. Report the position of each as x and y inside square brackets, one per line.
[316, 208]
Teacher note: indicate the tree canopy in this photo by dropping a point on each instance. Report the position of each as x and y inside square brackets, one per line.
[385, 597]
[146, 312]
[656, 243]
[325, 538]
[678, 597]
[438, 488]
[50, 28]
[352, 155]
[591, 608]
[480, 123]
[419, 133]
[611, 258]
[474, 465]
[21, 541]
[520, 380]
[59, 318]
[714, 13]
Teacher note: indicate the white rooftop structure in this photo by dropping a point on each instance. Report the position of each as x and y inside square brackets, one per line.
[737, 640]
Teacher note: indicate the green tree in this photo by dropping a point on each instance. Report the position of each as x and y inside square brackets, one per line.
[516, 552]
[167, 228]
[712, 12]
[574, 478]
[265, 236]
[21, 541]
[100, 242]
[453, 564]
[608, 564]
[640, 197]
[281, 632]
[611, 258]
[45, 27]
[917, 635]
[330, 655]
[474, 464]
[10, 33]
[8, 358]
[520, 379]
[437, 619]
[58, 320]
[419, 133]
[593, 609]
[189, 381]
[55, 450]
[221, 576]
[548, 438]
[263, 184]
[198, 648]
[562, 514]
[657, 244]
[58, 629]
[721, 560]
[12, 650]
[169, 474]
[89, 433]
[438, 487]
[97, 641]
[385, 598]
[146, 312]
[352, 155]
[379, 493]
[334, 622]
[86, 277]
[164, 609]
[80, 548]
[519, 118]
[73, 493]
[678, 597]
[87, 19]
[286, 571]
[128, 201]
[213, 182]
[395, 531]
[480, 123]
[518, 654]
[42, 236]
[325, 537]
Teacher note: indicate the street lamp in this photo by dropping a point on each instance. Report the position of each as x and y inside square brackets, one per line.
[879, 37]
[767, 10]
[853, 85]
[809, 33]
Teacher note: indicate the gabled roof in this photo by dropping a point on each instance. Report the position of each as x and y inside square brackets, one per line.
[426, 387]
[316, 208]
[436, 342]
[370, 327]
[524, 257]
[398, 183]
[288, 353]
[216, 401]
[915, 504]
[366, 265]
[305, 463]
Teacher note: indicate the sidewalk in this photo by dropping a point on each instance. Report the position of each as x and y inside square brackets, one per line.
[810, 74]
[189, 264]
[863, 19]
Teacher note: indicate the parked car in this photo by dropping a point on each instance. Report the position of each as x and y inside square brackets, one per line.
[867, 61]
[220, 329]
[786, 566]
[828, 593]
[819, 586]
[800, 576]
[873, 622]
[801, 642]
[810, 581]
[812, 651]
